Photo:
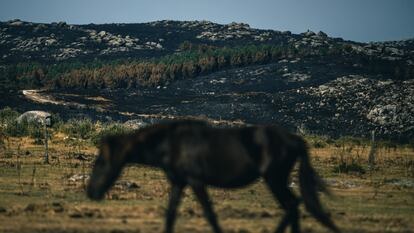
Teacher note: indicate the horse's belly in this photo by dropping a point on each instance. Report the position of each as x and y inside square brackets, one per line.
[230, 175]
[224, 163]
[233, 181]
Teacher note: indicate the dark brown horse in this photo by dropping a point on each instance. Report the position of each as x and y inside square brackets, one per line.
[194, 154]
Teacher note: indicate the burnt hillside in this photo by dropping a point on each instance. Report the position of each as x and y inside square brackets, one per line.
[198, 68]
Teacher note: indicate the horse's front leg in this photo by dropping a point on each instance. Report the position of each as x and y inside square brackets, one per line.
[202, 196]
[283, 224]
[175, 197]
[290, 218]
[288, 201]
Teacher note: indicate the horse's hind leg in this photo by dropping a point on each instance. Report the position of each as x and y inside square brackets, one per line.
[204, 200]
[288, 201]
[175, 196]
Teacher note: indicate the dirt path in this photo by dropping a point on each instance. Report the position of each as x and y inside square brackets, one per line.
[39, 97]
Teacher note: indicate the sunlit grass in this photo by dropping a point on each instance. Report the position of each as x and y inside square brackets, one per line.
[380, 200]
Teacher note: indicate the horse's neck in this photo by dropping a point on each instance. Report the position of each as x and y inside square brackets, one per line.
[148, 151]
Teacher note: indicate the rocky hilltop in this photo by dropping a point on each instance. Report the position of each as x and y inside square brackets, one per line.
[27, 41]
[321, 84]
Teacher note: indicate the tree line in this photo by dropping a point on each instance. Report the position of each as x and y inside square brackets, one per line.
[192, 61]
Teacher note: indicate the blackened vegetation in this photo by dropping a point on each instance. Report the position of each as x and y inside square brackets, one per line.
[138, 73]
[194, 154]
[127, 73]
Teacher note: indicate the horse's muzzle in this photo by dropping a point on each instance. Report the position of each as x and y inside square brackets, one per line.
[94, 194]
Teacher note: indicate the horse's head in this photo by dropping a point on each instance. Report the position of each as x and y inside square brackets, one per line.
[108, 166]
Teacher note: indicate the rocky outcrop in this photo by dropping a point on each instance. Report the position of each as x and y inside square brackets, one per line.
[60, 41]
[34, 116]
[232, 31]
[386, 106]
[217, 32]
[390, 50]
[25, 41]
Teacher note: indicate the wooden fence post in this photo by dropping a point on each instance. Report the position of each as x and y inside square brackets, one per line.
[46, 124]
[373, 150]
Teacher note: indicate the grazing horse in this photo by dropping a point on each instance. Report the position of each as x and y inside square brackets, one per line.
[194, 154]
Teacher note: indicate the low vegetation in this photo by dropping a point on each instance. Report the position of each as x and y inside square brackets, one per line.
[83, 129]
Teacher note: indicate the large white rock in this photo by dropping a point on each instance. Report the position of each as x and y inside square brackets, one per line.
[102, 33]
[34, 116]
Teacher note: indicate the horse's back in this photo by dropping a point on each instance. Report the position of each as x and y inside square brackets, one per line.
[229, 157]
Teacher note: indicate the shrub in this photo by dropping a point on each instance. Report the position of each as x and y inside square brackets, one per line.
[36, 131]
[411, 144]
[317, 141]
[57, 122]
[17, 129]
[7, 115]
[24, 128]
[351, 141]
[108, 130]
[79, 128]
[352, 167]
[3, 137]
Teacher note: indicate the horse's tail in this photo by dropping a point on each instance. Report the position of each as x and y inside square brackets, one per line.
[310, 182]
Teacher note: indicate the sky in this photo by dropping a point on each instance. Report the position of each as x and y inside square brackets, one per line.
[359, 20]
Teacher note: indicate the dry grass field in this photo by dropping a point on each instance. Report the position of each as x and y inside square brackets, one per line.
[38, 197]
